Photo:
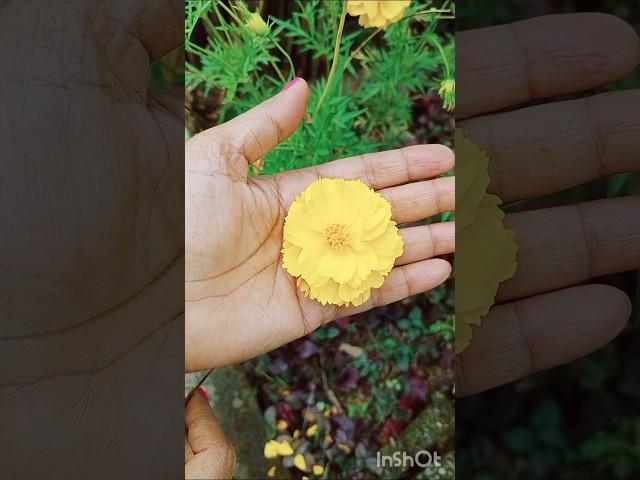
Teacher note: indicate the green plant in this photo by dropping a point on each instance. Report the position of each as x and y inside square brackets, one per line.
[362, 101]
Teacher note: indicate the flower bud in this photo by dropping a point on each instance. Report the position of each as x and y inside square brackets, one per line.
[448, 93]
[256, 24]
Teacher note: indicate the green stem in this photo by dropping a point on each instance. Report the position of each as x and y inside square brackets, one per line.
[443, 55]
[277, 69]
[230, 12]
[336, 58]
[292, 72]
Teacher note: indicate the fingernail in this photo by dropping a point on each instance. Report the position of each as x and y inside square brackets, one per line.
[291, 83]
[203, 393]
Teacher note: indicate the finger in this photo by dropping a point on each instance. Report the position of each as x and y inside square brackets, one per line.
[256, 132]
[541, 57]
[564, 144]
[520, 338]
[427, 241]
[214, 456]
[564, 246]
[419, 200]
[393, 167]
[403, 282]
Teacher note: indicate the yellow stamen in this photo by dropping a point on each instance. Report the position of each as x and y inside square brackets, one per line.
[336, 236]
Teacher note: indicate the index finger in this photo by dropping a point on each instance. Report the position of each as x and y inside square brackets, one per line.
[508, 65]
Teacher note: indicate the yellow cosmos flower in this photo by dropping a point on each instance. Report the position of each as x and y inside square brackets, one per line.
[300, 462]
[340, 241]
[486, 250]
[377, 13]
[274, 448]
[317, 470]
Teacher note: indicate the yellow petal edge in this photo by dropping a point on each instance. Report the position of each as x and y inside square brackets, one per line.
[340, 241]
[486, 251]
[377, 13]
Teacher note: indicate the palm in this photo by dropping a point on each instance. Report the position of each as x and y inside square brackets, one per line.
[546, 315]
[83, 198]
[239, 300]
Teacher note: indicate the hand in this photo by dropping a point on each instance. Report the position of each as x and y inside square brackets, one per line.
[92, 240]
[207, 452]
[240, 302]
[544, 316]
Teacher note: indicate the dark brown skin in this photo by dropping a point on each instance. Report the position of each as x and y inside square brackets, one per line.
[91, 248]
[546, 315]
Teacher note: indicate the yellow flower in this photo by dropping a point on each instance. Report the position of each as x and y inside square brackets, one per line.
[282, 425]
[312, 430]
[285, 449]
[486, 250]
[340, 241]
[271, 449]
[300, 462]
[317, 470]
[377, 13]
[272, 471]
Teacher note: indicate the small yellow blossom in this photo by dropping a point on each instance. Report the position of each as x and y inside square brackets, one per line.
[296, 434]
[340, 241]
[377, 13]
[300, 462]
[285, 449]
[272, 472]
[317, 470]
[282, 425]
[271, 449]
[312, 430]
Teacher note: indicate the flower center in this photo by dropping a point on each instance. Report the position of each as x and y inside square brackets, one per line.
[336, 236]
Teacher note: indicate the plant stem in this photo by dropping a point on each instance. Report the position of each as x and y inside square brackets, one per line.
[443, 55]
[292, 72]
[336, 58]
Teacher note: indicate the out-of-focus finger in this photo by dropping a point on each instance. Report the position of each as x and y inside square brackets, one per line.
[564, 246]
[520, 338]
[511, 64]
[548, 148]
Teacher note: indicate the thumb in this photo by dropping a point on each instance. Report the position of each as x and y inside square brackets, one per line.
[256, 132]
[208, 453]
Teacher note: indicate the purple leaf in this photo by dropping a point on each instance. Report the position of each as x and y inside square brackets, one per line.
[279, 366]
[349, 379]
[307, 348]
